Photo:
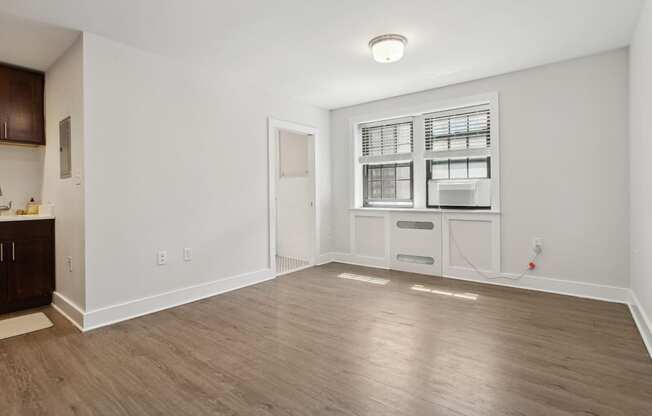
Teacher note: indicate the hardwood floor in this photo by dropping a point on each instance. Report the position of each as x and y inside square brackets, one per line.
[311, 343]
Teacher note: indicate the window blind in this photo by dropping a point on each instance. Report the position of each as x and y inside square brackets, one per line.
[458, 132]
[387, 141]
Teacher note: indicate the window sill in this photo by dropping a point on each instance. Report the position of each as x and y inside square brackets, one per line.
[429, 210]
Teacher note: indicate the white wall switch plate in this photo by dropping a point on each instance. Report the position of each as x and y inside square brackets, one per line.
[78, 177]
[162, 258]
[187, 254]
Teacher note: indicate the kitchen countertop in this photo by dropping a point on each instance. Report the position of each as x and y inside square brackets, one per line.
[9, 218]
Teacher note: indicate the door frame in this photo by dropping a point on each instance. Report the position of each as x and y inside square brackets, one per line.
[274, 126]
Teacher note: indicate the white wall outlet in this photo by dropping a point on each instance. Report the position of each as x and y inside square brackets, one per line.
[69, 263]
[537, 244]
[187, 254]
[162, 257]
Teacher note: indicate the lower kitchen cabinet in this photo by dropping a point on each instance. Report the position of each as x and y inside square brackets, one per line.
[26, 264]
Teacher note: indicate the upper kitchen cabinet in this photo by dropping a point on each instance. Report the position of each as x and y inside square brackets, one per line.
[21, 106]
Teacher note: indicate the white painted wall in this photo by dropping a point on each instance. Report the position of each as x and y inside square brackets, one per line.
[640, 167]
[21, 169]
[177, 160]
[564, 163]
[64, 98]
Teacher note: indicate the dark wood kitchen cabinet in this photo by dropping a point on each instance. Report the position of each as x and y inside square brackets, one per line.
[26, 264]
[21, 106]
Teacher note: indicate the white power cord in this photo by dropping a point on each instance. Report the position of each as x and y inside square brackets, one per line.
[537, 251]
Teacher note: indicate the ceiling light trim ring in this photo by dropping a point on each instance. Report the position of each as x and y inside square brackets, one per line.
[389, 36]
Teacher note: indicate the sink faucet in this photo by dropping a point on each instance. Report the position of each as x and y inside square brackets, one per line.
[5, 207]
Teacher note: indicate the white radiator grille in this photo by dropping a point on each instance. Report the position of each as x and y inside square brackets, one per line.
[289, 264]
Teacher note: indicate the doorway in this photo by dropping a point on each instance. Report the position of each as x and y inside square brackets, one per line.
[293, 213]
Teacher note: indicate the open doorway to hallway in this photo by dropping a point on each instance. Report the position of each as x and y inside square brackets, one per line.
[293, 214]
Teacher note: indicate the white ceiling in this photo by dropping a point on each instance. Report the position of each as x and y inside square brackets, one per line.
[316, 51]
[32, 44]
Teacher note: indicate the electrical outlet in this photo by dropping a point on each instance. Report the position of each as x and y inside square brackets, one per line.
[69, 263]
[187, 254]
[537, 244]
[162, 257]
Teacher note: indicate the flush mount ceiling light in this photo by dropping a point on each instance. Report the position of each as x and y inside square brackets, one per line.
[388, 48]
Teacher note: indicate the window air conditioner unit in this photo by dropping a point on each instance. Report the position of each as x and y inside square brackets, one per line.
[460, 193]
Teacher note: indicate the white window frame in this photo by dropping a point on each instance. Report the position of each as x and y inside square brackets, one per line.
[395, 203]
[418, 156]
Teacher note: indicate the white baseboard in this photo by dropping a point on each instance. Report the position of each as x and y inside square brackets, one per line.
[68, 309]
[324, 259]
[121, 312]
[643, 322]
[549, 285]
[347, 258]
[541, 284]
[109, 315]
[298, 269]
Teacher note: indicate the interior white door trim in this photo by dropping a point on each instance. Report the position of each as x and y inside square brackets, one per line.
[274, 125]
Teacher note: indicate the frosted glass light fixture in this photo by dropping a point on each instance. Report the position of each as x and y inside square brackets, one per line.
[388, 48]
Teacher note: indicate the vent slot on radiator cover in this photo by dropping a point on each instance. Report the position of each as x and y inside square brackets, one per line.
[407, 258]
[415, 225]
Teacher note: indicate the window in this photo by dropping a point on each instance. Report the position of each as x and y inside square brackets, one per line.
[387, 141]
[459, 168]
[431, 159]
[464, 129]
[458, 158]
[388, 184]
[386, 161]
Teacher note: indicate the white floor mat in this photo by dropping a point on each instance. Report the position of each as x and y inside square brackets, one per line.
[20, 325]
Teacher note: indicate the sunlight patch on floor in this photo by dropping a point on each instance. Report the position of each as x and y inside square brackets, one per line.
[366, 279]
[465, 295]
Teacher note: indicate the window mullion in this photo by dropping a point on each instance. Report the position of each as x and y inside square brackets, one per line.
[419, 163]
[395, 182]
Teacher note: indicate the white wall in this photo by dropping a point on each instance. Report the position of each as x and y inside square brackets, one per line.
[640, 167]
[173, 162]
[21, 169]
[564, 163]
[64, 98]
